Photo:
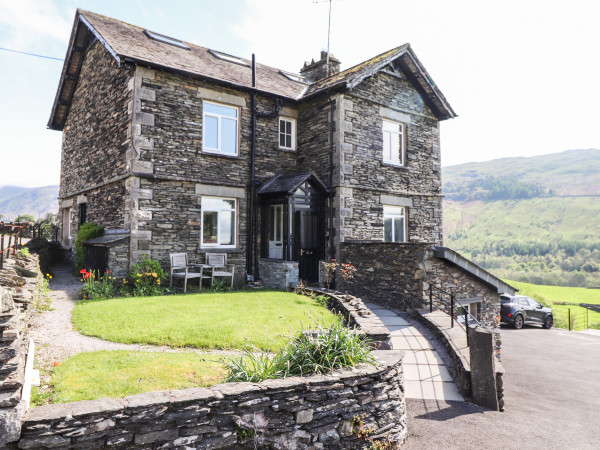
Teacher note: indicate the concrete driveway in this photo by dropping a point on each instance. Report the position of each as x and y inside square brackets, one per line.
[552, 399]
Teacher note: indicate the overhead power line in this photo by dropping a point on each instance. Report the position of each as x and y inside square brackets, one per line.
[30, 54]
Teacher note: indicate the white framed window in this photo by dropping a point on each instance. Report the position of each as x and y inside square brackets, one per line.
[220, 124]
[393, 142]
[218, 224]
[287, 133]
[394, 224]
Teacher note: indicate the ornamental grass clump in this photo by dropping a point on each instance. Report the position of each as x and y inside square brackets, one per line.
[320, 350]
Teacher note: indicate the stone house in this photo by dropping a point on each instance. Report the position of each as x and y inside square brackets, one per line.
[175, 147]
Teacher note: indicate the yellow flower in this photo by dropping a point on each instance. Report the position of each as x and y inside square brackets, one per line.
[154, 274]
[50, 276]
[139, 275]
[157, 281]
[81, 279]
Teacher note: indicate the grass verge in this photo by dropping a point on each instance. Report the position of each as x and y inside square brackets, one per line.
[119, 373]
[561, 299]
[212, 320]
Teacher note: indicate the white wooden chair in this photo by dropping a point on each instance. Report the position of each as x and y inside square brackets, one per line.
[217, 263]
[180, 269]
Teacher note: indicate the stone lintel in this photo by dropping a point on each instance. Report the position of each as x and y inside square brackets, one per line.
[392, 114]
[81, 199]
[392, 200]
[223, 97]
[288, 112]
[220, 191]
[67, 203]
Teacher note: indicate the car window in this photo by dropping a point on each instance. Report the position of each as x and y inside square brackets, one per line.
[523, 301]
[505, 300]
[533, 303]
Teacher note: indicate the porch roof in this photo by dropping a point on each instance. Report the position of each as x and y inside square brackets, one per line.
[288, 184]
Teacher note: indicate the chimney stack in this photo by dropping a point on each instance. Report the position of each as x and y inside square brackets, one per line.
[314, 71]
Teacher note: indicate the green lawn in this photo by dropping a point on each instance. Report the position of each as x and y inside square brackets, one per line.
[572, 296]
[112, 374]
[212, 320]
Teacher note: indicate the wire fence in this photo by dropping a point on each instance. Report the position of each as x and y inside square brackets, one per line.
[571, 319]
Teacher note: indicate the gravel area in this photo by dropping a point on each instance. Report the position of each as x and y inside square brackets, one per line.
[55, 337]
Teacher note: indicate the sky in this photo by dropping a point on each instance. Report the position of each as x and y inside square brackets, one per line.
[522, 75]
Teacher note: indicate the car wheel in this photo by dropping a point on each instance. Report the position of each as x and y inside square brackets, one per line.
[548, 322]
[518, 324]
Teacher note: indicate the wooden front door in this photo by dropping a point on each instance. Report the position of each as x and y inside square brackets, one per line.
[307, 226]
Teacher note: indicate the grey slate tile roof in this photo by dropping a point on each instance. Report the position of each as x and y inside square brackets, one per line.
[287, 184]
[128, 42]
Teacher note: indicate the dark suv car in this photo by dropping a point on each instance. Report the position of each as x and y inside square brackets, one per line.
[519, 310]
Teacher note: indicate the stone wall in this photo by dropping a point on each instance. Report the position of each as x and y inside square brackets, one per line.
[17, 288]
[398, 276]
[310, 412]
[276, 273]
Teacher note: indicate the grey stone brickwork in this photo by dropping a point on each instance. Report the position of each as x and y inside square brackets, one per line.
[398, 276]
[276, 273]
[311, 412]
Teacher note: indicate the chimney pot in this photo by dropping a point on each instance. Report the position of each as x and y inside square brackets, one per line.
[321, 69]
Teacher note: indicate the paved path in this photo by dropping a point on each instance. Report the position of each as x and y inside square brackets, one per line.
[551, 399]
[425, 375]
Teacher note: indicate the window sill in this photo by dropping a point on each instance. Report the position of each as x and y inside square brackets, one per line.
[289, 150]
[223, 155]
[397, 166]
[219, 249]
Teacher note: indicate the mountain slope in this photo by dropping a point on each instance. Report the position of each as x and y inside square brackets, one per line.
[550, 236]
[35, 201]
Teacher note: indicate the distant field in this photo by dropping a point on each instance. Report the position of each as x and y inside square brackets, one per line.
[572, 296]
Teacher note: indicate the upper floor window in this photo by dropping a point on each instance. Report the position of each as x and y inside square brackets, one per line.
[287, 133]
[218, 222]
[393, 142]
[394, 224]
[220, 123]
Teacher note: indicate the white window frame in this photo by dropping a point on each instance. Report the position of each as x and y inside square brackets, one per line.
[395, 132]
[205, 209]
[393, 212]
[293, 134]
[219, 118]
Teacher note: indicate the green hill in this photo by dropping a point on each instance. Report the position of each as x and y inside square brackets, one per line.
[528, 219]
[35, 201]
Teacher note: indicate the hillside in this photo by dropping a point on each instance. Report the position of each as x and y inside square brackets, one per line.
[540, 226]
[35, 201]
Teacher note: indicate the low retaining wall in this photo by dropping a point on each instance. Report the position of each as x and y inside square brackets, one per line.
[453, 338]
[292, 413]
[357, 314]
[279, 274]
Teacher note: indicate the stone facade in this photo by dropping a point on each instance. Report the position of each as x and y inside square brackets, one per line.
[399, 275]
[133, 153]
[313, 412]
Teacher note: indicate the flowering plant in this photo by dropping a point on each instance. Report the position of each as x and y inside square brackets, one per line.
[96, 286]
[329, 274]
[144, 279]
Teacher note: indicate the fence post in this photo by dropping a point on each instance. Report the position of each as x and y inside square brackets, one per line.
[430, 298]
[587, 319]
[8, 248]
[569, 319]
[467, 324]
[2, 251]
[451, 310]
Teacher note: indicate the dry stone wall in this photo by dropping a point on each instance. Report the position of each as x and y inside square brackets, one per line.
[312, 412]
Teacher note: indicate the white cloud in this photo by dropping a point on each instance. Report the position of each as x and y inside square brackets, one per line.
[30, 24]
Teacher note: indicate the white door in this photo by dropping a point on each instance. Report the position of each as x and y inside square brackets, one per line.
[276, 231]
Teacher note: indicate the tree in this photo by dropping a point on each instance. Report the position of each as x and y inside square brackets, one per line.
[24, 218]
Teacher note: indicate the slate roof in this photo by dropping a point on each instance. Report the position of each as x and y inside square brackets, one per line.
[287, 184]
[129, 43]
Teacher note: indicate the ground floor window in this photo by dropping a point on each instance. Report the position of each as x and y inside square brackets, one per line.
[394, 224]
[276, 231]
[218, 222]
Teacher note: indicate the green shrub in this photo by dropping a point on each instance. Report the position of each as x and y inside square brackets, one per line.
[144, 279]
[313, 351]
[86, 232]
[24, 251]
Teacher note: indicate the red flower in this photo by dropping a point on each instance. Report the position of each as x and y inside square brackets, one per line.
[83, 271]
[108, 271]
[56, 364]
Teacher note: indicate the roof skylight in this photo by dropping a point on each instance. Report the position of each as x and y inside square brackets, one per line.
[229, 58]
[166, 39]
[292, 76]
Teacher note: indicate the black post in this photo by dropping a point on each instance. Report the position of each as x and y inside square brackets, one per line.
[430, 298]
[467, 324]
[569, 319]
[2, 251]
[587, 318]
[452, 311]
